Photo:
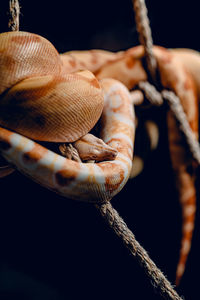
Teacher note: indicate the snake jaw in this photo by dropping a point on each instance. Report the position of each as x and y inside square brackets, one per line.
[90, 147]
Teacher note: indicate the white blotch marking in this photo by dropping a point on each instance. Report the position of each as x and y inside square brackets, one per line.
[51, 159]
[83, 172]
[47, 159]
[121, 163]
[186, 247]
[59, 162]
[98, 174]
[189, 210]
[114, 89]
[21, 145]
[116, 101]
[119, 136]
[122, 118]
[187, 195]
[24, 144]
[28, 146]
[17, 141]
[124, 157]
[180, 270]
[188, 227]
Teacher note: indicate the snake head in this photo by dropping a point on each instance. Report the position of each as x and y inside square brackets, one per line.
[90, 147]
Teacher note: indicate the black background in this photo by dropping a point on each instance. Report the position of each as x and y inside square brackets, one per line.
[56, 248]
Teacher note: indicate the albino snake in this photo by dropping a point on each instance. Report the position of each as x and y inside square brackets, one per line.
[47, 97]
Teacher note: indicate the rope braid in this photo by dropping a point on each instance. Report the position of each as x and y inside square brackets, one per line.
[145, 37]
[14, 11]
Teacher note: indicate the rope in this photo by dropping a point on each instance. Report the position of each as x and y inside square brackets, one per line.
[69, 151]
[14, 11]
[158, 280]
[179, 113]
[151, 93]
[145, 37]
[144, 31]
[156, 98]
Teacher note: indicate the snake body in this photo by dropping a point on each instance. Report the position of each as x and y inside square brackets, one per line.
[108, 75]
[184, 81]
[81, 181]
[32, 73]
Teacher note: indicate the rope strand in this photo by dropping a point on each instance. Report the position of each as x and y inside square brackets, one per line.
[145, 37]
[153, 96]
[179, 113]
[14, 12]
[157, 278]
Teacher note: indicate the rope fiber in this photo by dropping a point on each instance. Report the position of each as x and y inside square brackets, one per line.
[14, 11]
[145, 38]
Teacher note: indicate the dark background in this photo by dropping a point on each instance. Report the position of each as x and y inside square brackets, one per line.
[55, 248]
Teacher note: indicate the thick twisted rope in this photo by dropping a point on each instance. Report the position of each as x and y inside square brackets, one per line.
[150, 92]
[145, 37]
[14, 11]
[158, 280]
[179, 113]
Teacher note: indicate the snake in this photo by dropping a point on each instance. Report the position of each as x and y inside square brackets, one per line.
[51, 97]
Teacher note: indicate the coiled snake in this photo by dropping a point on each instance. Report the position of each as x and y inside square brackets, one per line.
[59, 98]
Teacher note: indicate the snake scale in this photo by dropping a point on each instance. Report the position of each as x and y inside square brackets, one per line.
[59, 98]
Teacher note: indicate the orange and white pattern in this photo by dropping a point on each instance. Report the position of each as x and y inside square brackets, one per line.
[59, 98]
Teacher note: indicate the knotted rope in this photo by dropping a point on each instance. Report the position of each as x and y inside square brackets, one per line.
[111, 216]
[155, 97]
